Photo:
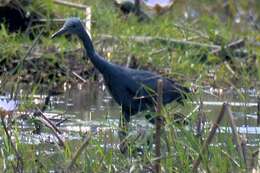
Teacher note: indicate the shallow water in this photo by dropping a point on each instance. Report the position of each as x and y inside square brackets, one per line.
[89, 107]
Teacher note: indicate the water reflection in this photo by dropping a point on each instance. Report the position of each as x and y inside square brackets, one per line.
[91, 103]
[90, 108]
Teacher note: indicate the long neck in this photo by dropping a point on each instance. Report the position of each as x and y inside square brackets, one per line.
[99, 62]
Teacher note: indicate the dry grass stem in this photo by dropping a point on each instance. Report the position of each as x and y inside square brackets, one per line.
[78, 152]
[158, 125]
[234, 131]
[19, 167]
[209, 138]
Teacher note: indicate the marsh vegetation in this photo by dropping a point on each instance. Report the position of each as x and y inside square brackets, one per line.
[209, 46]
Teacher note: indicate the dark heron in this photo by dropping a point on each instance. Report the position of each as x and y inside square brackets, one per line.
[128, 6]
[134, 90]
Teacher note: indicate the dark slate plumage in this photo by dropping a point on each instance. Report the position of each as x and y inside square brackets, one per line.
[128, 7]
[134, 90]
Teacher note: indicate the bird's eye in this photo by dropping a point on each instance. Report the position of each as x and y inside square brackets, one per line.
[73, 26]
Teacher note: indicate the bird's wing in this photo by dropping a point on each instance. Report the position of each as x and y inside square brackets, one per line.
[147, 82]
[148, 86]
[142, 75]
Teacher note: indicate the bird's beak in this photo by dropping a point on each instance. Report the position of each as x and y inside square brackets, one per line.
[58, 33]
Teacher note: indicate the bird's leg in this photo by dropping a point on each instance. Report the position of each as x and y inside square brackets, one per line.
[123, 128]
[122, 133]
[46, 102]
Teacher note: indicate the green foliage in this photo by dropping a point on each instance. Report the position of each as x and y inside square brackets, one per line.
[180, 146]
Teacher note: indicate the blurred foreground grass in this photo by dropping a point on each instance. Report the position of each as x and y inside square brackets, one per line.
[50, 62]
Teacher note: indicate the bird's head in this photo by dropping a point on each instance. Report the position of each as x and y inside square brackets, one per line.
[71, 26]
